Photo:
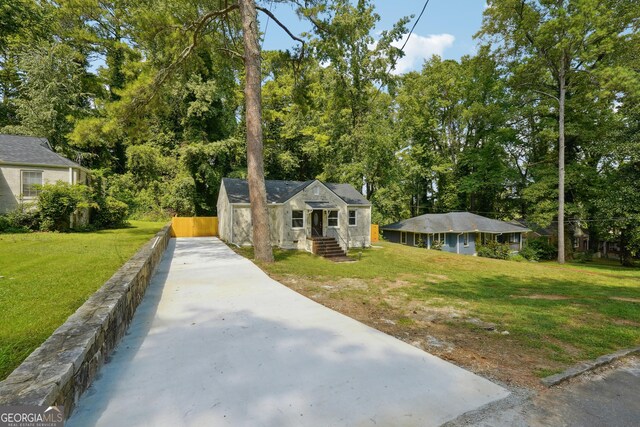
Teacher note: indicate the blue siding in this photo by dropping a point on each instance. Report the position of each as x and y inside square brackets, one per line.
[454, 243]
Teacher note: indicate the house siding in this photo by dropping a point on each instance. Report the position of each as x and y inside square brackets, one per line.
[11, 182]
[241, 223]
[391, 236]
[452, 242]
[224, 215]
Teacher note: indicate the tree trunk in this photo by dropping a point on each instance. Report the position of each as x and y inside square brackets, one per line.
[625, 254]
[253, 108]
[561, 102]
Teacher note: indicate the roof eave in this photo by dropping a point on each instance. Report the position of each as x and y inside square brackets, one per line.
[44, 165]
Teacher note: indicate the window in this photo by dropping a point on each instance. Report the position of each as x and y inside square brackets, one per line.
[332, 220]
[466, 239]
[316, 191]
[297, 219]
[29, 180]
[576, 242]
[513, 238]
[403, 237]
[352, 218]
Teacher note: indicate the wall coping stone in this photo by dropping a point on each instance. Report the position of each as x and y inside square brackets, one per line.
[63, 367]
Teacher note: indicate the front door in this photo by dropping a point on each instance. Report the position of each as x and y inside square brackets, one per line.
[316, 223]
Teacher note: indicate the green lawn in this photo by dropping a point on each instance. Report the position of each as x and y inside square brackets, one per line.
[47, 276]
[555, 315]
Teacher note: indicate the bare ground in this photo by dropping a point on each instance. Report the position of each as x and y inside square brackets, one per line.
[447, 332]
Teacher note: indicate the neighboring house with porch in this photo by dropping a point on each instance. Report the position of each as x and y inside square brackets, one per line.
[318, 217]
[455, 232]
[25, 163]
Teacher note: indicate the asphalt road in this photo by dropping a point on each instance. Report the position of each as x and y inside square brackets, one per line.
[607, 398]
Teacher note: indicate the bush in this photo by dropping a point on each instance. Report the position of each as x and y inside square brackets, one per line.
[494, 250]
[21, 219]
[529, 253]
[544, 249]
[583, 256]
[56, 203]
[111, 213]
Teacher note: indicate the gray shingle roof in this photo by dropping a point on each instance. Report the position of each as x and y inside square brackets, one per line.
[30, 150]
[454, 222]
[281, 191]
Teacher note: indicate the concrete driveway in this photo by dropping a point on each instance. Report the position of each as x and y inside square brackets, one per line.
[216, 342]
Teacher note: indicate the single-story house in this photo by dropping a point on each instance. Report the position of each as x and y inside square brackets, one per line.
[26, 162]
[579, 236]
[455, 232]
[302, 215]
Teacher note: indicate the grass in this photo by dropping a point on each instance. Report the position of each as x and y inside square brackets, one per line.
[47, 276]
[565, 313]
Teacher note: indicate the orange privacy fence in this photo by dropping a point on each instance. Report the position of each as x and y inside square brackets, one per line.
[194, 226]
[375, 233]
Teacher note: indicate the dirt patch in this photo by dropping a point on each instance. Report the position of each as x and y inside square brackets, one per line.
[625, 322]
[627, 299]
[390, 286]
[444, 331]
[545, 297]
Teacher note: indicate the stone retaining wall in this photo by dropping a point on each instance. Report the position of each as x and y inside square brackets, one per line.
[64, 366]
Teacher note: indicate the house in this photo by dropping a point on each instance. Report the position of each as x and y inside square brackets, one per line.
[314, 216]
[549, 234]
[579, 236]
[27, 161]
[455, 232]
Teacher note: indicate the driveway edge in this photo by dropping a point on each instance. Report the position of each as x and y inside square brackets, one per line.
[584, 367]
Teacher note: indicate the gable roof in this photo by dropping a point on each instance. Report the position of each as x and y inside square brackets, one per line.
[30, 150]
[281, 191]
[454, 222]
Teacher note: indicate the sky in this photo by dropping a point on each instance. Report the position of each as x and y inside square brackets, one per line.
[446, 28]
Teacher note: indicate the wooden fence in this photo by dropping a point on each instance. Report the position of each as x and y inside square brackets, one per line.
[201, 226]
[375, 233]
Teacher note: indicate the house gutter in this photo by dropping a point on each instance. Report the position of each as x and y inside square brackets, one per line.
[40, 165]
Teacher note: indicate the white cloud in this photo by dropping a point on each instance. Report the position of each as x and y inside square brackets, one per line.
[420, 48]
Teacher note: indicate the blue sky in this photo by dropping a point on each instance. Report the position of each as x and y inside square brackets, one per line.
[446, 28]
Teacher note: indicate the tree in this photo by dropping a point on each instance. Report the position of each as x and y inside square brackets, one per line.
[552, 48]
[50, 94]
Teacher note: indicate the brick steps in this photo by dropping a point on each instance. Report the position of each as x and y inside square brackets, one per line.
[328, 247]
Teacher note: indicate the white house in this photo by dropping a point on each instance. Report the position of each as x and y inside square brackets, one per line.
[322, 218]
[27, 161]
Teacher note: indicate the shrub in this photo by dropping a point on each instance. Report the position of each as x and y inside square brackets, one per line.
[111, 213]
[56, 203]
[544, 249]
[23, 218]
[517, 258]
[5, 225]
[583, 256]
[529, 253]
[494, 250]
